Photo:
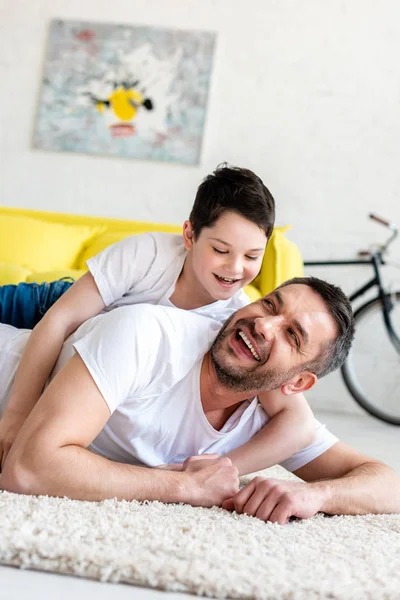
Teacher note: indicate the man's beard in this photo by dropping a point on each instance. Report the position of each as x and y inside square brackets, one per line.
[240, 379]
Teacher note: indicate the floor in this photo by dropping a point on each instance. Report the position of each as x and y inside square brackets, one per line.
[364, 433]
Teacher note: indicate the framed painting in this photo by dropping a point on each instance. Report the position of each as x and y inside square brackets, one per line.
[125, 90]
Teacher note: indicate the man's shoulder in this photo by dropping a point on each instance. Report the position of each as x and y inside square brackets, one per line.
[166, 342]
[170, 319]
[180, 335]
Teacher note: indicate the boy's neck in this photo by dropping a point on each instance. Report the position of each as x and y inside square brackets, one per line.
[188, 293]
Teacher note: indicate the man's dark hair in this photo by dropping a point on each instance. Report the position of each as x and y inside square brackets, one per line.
[232, 189]
[339, 307]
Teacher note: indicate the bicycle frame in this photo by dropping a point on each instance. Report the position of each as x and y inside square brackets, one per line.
[375, 261]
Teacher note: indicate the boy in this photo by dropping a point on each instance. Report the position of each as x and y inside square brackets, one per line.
[204, 271]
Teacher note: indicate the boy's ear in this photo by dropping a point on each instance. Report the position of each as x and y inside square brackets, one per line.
[300, 383]
[188, 235]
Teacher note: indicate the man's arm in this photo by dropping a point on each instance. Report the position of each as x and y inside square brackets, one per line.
[78, 304]
[352, 483]
[339, 481]
[291, 428]
[50, 454]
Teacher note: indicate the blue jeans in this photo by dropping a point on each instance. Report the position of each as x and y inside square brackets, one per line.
[23, 305]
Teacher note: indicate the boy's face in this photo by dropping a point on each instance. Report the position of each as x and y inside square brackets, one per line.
[226, 256]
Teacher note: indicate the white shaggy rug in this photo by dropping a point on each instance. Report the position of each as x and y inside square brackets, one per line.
[204, 551]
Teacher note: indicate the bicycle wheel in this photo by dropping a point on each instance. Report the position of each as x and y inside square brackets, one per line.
[372, 370]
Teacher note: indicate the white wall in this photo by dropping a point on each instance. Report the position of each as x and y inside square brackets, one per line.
[304, 93]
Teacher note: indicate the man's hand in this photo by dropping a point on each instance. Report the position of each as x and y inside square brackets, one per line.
[9, 427]
[211, 479]
[276, 501]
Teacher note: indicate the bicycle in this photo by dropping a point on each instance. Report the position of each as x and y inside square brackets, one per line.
[372, 371]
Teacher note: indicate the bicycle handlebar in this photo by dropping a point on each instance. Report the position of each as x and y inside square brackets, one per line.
[389, 225]
[384, 222]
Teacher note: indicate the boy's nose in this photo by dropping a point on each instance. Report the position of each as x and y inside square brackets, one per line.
[235, 267]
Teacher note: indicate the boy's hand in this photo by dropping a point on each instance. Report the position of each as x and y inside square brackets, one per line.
[10, 425]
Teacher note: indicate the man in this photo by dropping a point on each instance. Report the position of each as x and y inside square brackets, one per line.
[143, 388]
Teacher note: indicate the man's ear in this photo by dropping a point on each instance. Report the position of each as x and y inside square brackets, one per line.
[188, 235]
[300, 383]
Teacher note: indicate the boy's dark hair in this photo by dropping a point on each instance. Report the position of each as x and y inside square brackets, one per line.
[339, 307]
[232, 189]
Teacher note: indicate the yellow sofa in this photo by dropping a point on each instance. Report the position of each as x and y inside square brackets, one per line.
[45, 246]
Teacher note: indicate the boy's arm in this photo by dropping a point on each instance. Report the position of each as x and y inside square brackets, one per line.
[81, 302]
[291, 428]
[50, 455]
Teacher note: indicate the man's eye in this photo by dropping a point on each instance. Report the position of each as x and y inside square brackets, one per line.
[293, 335]
[270, 304]
[219, 251]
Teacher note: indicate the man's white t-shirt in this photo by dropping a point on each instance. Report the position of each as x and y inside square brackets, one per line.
[145, 361]
[144, 269]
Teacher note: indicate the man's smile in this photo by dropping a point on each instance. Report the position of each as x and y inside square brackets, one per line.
[244, 344]
[249, 345]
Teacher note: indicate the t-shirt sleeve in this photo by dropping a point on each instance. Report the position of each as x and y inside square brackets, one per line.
[118, 268]
[117, 356]
[241, 299]
[323, 441]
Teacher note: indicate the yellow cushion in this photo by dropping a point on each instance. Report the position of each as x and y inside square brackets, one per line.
[38, 246]
[29, 254]
[13, 274]
[43, 276]
[282, 260]
[252, 292]
[111, 237]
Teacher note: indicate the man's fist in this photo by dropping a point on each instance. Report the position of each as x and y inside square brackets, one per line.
[211, 479]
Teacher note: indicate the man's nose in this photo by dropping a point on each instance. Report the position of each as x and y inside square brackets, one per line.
[268, 326]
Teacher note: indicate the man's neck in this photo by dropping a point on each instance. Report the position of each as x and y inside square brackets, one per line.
[218, 401]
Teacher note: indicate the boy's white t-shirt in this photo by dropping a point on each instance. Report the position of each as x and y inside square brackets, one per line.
[144, 269]
[145, 361]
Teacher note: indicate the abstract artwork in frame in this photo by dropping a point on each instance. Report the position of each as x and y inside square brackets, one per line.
[125, 90]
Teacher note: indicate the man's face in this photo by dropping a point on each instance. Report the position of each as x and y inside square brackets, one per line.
[266, 344]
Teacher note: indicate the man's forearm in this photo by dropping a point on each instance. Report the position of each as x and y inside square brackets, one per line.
[370, 488]
[80, 474]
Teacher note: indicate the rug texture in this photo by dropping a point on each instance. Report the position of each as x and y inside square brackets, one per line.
[201, 551]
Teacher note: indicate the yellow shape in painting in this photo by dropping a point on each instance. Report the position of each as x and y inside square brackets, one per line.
[125, 103]
[100, 107]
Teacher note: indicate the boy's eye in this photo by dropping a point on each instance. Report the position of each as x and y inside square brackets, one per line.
[252, 257]
[219, 251]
